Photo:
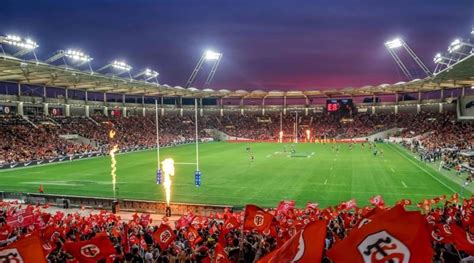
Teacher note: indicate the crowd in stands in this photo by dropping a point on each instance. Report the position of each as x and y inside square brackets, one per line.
[433, 132]
[443, 233]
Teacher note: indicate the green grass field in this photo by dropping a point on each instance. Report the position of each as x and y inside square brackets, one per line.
[229, 177]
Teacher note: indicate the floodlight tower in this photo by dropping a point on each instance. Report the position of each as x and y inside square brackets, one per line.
[207, 56]
[120, 66]
[148, 75]
[458, 46]
[75, 57]
[23, 45]
[398, 43]
[457, 50]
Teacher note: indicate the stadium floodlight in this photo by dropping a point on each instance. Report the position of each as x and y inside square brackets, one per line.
[151, 73]
[438, 59]
[455, 45]
[74, 57]
[121, 65]
[208, 55]
[77, 55]
[17, 41]
[23, 45]
[147, 75]
[396, 43]
[211, 55]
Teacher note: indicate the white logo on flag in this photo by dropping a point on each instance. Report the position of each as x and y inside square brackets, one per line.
[11, 255]
[258, 220]
[383, 247]
[90, 251]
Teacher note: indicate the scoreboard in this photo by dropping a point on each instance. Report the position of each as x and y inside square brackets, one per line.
[344, 106]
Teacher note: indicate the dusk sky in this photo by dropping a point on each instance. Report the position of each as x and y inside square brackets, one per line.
[266, 44]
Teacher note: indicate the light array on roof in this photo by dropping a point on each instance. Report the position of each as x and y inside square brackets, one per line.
[211, 55]
[455, 45]
[77, 55]
[438, 58]
[121, 65]
[21, 43]
[396, 43]
[151, 73]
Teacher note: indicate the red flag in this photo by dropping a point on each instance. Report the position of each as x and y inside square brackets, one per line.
[145, 219]
[91, 250]
[22, 218]
[306, 246]
[377, 201]
[256, 218]
[462, 239]
[231, 223]
[394, 235]
[219, 255]
[27, 250]
[164, 236]
[193, 236]
[284, 206]
[348, 205]
[312, 206]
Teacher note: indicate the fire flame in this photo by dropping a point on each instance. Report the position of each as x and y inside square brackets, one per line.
[113, 164]
[168, 170]
[111, 134]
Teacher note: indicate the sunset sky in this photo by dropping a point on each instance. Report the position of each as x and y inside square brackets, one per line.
[267, 45]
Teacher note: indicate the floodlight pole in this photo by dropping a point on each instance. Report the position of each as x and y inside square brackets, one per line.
[417, 59]
[213, 72]
[195, 71]
[400, 63]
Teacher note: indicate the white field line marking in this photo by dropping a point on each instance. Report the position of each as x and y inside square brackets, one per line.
[404, 184]
[325, 182]
[423, 169]
[186, 163]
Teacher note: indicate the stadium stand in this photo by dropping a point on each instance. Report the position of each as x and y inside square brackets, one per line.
[231, 236]
[435, 132]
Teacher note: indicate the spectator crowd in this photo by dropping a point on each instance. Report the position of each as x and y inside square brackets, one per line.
[444, 229]
[36, 138]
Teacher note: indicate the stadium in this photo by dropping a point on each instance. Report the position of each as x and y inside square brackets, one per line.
[101, 162]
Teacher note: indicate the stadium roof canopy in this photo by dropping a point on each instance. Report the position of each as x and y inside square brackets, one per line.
[38, 73]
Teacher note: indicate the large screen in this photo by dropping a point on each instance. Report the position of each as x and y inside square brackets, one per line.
[339, 106]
